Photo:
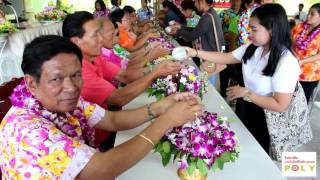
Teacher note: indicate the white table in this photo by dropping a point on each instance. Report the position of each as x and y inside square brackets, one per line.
[253, 163]
[11, 57]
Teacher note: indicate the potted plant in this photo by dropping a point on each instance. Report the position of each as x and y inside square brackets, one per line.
[6, 27]
[51, 14]
[205, 144]
[187, 80]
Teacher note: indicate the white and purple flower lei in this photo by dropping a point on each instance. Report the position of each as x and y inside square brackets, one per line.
[301, 41]
[22, 98]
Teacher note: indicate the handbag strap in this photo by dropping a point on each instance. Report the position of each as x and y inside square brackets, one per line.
[215, 31]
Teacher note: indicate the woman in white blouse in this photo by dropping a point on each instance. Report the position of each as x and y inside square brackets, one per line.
[270, 70]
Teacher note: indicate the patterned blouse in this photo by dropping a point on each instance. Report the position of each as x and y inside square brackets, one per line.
[104, 13]
[194, 20]
[144, 14]
[127, 39]
[32, 147]
[243, 24]
[226, 16]
[111, 56]
[311, 70]
[121, 52]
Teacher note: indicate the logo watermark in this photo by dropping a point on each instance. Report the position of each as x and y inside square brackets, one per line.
[299, 164]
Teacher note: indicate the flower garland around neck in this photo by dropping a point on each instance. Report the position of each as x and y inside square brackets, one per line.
[243, 24]
[302, 41]
[22, 98]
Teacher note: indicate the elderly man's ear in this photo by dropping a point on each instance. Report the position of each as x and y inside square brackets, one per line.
[76, 41]
[119, 24]
[31, 83]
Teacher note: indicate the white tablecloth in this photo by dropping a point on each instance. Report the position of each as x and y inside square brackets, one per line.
[11, 57]
[253, 163]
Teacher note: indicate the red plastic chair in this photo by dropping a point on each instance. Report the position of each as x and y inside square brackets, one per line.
[5, 104]
[6, 90]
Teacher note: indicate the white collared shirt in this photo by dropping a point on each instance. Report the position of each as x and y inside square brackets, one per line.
[302, 15]
[283, 80]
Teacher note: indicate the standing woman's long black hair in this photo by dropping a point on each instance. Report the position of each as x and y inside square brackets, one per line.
[115, 3]
[189, 4]
[244, 5]
[176, 10]
[273, 17]
[102, 5]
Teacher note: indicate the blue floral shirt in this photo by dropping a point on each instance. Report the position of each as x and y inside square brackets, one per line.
[144, 14]
[194, 20]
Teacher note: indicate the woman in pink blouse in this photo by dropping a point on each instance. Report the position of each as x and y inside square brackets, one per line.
[101, 9]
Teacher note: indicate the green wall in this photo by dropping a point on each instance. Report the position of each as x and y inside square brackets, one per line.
[36, 5]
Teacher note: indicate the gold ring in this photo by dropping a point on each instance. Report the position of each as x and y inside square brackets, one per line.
[211, 65]
[196, 114]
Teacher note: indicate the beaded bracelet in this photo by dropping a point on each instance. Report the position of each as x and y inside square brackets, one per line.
[150, 113]
[149, 71]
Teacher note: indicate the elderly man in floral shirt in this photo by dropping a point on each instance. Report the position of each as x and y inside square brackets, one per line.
[49, 132]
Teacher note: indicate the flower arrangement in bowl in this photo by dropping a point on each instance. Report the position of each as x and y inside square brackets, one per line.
[65, 6]
[7, 27]
[187, 80]
[205, 144]
[51, 13]
[164, 39]
[165, 43]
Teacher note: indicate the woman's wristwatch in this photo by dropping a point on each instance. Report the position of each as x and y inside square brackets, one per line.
[247, 95]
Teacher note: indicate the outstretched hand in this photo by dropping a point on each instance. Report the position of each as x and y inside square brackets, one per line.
[190, 51]
[167, 68]
[163, 105]
[159, 52]
[182, 112]
[235, 92]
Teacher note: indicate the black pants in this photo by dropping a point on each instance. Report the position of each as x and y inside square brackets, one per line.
[108, 143]
[308, 88]
[253, 118]
[225, 75]
[233, 71]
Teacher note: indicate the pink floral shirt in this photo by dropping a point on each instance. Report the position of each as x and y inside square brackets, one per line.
[115, 59]
[32, 147]
[104, 13]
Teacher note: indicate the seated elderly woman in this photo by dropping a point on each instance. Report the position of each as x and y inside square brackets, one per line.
[137, 60]
[100, 9]
[138, 27]
[127, 38]
[48, 133]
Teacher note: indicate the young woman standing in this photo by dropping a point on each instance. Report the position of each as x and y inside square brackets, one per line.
[266, 63]
[306, 41]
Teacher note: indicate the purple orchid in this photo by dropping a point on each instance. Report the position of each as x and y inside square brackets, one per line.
[187, 80]
[204, 138]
